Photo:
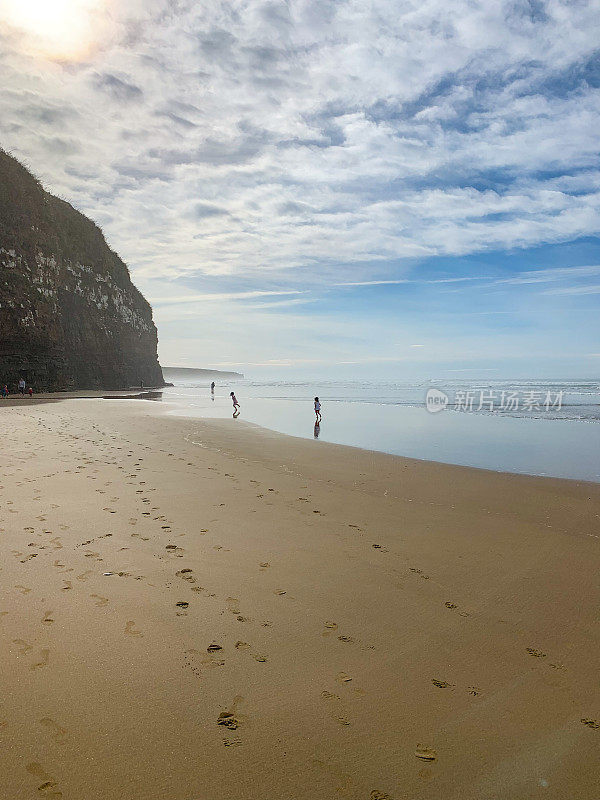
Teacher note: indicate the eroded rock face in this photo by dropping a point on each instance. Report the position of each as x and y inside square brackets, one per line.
[70, 318]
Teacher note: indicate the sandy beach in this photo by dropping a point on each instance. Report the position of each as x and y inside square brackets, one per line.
[202, 610]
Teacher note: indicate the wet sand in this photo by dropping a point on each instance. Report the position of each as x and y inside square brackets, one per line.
[286, 619]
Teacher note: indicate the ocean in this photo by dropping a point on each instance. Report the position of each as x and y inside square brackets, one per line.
[549, 427]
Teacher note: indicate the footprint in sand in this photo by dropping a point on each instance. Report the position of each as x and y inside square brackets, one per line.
[591, 723]
[130, 629]
[333, 700]
[55, 729]
[441, 684]
[233, 605]
[47, 618]
[186, 575]
[23, 589]
[102, 601]
[535, 653]
[341, 677]
[228, 719]
[45, 659]
[264, 565]
[49, 787]
[450, 605]
[425, 753]
[84, 575]
[68, 585]
[24, 647]
[377, 795]
[330, 627]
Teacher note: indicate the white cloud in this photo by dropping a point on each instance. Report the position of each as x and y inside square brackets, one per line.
[238, 140]
[214, 297]
[576, 290]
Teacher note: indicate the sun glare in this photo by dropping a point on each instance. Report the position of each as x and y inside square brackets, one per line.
[59, 29]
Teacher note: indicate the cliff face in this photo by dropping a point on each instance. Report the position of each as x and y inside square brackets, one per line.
[70, 318]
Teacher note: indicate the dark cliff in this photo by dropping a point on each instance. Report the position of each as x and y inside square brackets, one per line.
[70, 318]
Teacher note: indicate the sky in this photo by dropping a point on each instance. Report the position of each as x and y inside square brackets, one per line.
[334, 189]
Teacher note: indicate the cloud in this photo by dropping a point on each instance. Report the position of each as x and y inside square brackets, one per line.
[215, 296]
[323, 131]
[119, 89]
[576, 290]
[372, 283]
[204, 210]
[225, 148]
[523, 277]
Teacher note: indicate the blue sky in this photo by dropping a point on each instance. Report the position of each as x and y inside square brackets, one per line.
[399, 189]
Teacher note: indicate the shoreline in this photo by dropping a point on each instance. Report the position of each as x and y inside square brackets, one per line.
[562, 448]
[195, 609]
[169, 412]
[377, 453]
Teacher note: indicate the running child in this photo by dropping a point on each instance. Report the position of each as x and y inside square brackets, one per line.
[317, 410]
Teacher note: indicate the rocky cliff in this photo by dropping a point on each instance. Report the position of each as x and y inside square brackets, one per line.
[70, 318]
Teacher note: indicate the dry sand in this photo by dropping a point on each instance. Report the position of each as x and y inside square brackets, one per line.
[346, 616]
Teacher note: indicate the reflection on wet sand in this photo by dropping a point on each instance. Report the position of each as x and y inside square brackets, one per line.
[150, 395]
[564, 448]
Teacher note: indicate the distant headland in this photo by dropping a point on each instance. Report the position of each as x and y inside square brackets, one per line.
[189, 373]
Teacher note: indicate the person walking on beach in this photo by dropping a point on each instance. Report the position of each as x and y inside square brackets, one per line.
[22, 386]
[236, 405]
[212, 388]
[317, 410]
[5, 391]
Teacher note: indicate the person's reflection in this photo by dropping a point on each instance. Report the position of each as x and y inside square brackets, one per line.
[317, 430]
